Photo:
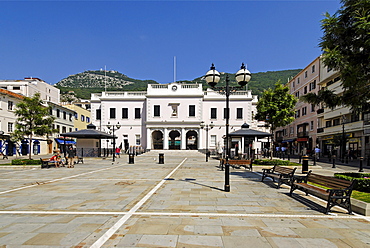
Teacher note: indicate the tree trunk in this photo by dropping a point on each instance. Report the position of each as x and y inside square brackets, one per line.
[30, 148]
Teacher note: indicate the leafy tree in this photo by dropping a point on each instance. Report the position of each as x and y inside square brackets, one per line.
[276, 107]
[32, 119]
[346, 46]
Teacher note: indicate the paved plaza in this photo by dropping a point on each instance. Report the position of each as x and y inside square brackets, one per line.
[180, 203]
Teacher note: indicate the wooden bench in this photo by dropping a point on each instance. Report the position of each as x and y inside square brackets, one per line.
[338, 193]
[282, 174]
[46, 163]
[236, 163]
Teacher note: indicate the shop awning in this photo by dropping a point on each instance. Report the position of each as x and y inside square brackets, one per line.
[67, 142]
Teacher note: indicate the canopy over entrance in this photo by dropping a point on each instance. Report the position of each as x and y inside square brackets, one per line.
[246, 132]
[89, 133]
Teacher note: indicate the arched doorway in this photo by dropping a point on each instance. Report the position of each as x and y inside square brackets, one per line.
[192, 140]
[157, 140]
[174, 140]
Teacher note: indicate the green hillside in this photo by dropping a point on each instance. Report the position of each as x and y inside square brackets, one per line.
[85, 83]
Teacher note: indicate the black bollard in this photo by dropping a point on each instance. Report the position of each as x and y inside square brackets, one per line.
[161, 158]
[300, 159]
[333, 158]
[305, 165]
[361, 166]
[131, 158]
[314, 160]
[288, 156]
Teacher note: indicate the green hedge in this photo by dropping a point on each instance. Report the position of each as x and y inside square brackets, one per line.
[26, 162]
[363, 180]
[274, 162]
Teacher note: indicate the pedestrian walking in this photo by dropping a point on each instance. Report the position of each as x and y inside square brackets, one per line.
[70, 156]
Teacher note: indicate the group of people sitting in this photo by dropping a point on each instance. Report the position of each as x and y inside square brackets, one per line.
[61, 162]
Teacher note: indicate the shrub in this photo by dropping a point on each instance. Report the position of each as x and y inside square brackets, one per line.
[363, 180]
[26, 162]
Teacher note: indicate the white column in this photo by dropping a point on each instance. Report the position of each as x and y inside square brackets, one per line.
[165, 139]
[149, 139]
[183, 139]
[200, 139]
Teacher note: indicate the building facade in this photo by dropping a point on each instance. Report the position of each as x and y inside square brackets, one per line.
[335, 131]
[300, 135]
[12, 92]
[168, 116]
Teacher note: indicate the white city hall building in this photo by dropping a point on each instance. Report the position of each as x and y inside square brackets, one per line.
[169, 117]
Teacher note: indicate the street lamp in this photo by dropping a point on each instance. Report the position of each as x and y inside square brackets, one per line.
[343, 149]
[114, 128]
[207, 128]
[212, 77]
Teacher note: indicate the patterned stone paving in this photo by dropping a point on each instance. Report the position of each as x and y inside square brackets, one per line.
[178, 204]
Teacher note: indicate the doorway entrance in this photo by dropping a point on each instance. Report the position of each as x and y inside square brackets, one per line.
[192, 140]
[157, 140]
[174, 140]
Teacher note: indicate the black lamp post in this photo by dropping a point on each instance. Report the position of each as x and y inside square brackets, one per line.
[114, 128]
[212, 78]
[207, 128]
[343, 138]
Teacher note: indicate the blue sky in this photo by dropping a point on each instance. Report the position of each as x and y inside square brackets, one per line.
[53, 39]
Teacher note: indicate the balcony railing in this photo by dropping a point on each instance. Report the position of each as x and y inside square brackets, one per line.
[320, 130]
[303, 134]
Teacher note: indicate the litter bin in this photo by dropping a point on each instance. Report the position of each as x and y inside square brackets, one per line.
[131, 158]
[161, 158]
[305, 164]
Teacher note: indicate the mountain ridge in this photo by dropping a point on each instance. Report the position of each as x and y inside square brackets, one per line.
[95, 81]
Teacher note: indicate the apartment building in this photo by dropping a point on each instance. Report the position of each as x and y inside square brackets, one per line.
[301, 134]
[318, 126]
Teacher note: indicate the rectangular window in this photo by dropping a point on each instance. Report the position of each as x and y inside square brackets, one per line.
[112, 113]
[239, 113]
[58, 113]
[64, 115]
[157, 110]
[313, 68]
[328, 124]
[10, 105]
[70, 117]
[305, 74]
[336, 122]
[291, 130]
[312, 107]
[225, 113]
[213, 113]
[213, 140]
[87, 119]
[10, 127]
[98, 114]
[174, 107]
[124, 113]
[191, 110]
[82, 118]
[137, 113]
[305, 90]
[311, 125]
[137, 138]
[355, 117]
[297, 113]
[304, 111]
